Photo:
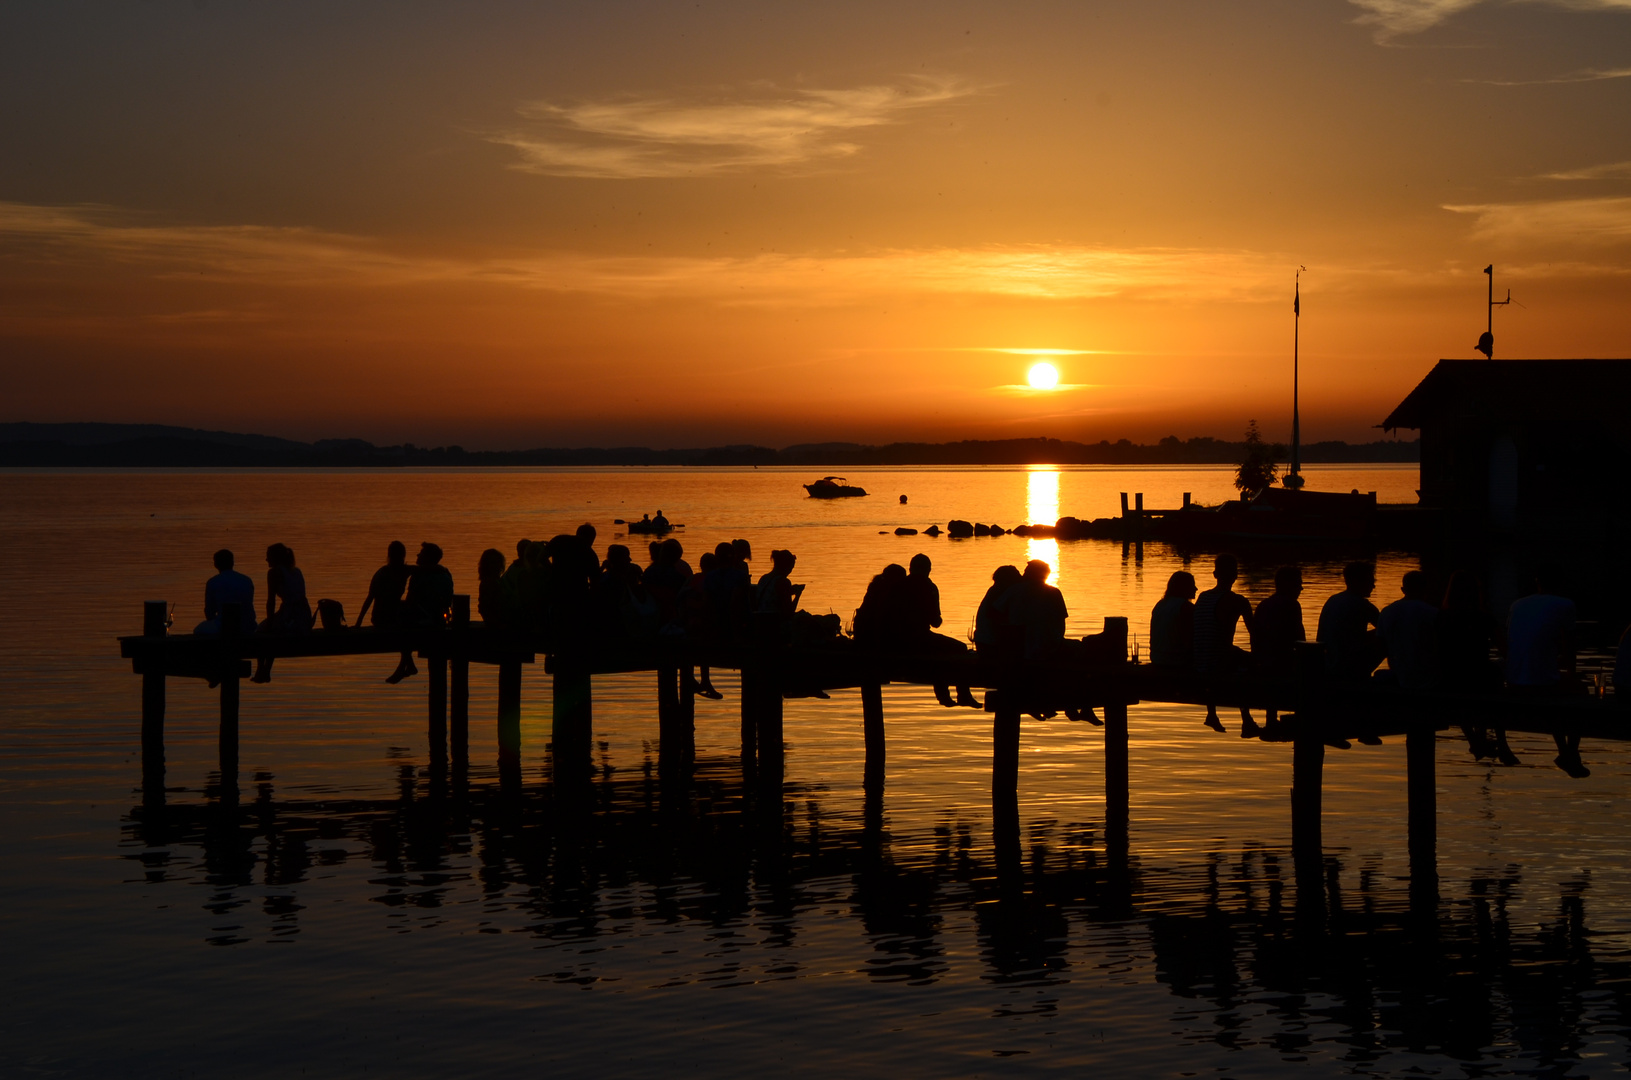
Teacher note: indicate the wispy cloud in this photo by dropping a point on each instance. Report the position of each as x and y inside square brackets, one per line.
[1583, 76]
[1571, 221]
[1619, 170]
[1395, 18]
[634, 138]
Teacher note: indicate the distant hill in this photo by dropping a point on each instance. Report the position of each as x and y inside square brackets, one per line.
[158, 446]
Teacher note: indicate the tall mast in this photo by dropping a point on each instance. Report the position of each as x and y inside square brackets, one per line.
[1294, 479]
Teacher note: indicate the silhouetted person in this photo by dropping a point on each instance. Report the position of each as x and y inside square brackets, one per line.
[429, 599]
[1408, 633]
[611, 584]
[660, 523]
[1352, 648]
[1539, 648]
[1040, 610]
[922, 599]
[386, 587]
[696, 617]
[494, 603]
[1622, 671]
[775, 594]
[287, 609]
[1277, 628]
[993, 614]
[880, 621]
[227, 587]
[1466, 633]
[1172, 624]
[1217, 611]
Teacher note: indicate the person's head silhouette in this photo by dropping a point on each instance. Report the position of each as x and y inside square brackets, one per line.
[1181, 584]
[1288, 580]
[1414, 585]
[920, 565]
[396, 553]
[1226, 569]
[1360, 577]
[1037, 571]
[429, 554]
[223, 560]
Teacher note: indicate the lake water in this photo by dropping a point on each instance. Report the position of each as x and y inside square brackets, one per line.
[349, 913]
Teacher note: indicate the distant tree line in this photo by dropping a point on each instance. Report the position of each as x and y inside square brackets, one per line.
[152, 446]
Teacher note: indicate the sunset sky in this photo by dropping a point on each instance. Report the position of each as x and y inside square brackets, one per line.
[527, 224]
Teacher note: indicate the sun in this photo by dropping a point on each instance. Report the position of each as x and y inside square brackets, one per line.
[1043, 377]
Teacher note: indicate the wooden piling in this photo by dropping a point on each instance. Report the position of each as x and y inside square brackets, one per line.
[509, 709]
[436, 686]
[155, 614]
[459, 684]
[1005, 746]
[750, 722]
[231, 626]
[1117, 798]
[572, 728]
[770, 714]
[873, 733]
[1307, 777]
[1422, 797]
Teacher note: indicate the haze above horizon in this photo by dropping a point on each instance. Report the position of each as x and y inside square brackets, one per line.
[592, 225]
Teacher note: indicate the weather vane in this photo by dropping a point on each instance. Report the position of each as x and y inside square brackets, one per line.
[1486, 340]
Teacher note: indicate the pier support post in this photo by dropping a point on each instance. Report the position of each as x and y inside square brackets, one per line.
[750, 716]
[459, 684]
[1422, 795]
[770, 717]
[573, 723]
[872, 732]
[1307, 775]
[436, 693]
[231, 625]
[1116, 771]
[509, 708]
[155, 614]
[1005, 747]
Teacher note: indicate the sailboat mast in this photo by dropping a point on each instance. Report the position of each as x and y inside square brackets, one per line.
[1294, 478]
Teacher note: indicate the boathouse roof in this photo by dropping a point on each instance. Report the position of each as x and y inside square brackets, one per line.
[1539, 385]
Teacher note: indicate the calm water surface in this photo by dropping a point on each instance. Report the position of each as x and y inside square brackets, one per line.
[351, 911]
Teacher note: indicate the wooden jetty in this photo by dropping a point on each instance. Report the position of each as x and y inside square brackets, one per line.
[1316, 713]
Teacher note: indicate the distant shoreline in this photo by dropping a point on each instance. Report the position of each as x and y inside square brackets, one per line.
[102, 446]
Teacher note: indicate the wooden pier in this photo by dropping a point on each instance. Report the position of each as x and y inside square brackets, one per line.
[1316, 714]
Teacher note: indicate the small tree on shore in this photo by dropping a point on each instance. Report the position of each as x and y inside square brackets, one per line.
[1258, 467]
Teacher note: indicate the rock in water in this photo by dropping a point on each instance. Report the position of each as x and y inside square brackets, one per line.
[904, 531]
[959, 529]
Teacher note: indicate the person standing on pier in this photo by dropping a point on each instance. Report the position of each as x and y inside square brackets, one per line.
[1539, 650]
[1217, 612]
[1277, 629]
[227, 587]
[386, 587]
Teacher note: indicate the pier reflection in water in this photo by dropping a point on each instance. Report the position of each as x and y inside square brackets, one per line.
[1351, 966]
[340, 907]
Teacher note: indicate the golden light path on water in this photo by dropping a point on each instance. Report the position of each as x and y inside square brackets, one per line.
[1042, 508]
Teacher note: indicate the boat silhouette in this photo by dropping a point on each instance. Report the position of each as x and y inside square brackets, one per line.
[833, 487]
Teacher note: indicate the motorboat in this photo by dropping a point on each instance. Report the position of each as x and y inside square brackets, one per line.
[833, 487]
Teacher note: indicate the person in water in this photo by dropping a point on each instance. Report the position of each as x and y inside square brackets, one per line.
[227, 587]
[660, 523]
[287, 609]
[386, 587]
[1217, 612]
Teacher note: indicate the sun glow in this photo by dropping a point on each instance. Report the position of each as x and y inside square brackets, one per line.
[1043, 377]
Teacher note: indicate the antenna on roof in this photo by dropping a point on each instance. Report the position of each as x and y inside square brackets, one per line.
[1486, 340]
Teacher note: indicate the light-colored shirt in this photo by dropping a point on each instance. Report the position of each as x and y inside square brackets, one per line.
[1538, 629]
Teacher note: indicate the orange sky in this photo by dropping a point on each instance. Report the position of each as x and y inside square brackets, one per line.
[517, 225]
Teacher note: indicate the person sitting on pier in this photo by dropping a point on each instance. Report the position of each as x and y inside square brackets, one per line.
[1465, 633]
[1172, 624]
[667, 575]
[1352, 646]
[1539, 649]
[1040, 609]
[993, 614]
[227, 587]
[1217, 611]
[880, 621]
[495, 604]
[922, 612]
[285, 583]
[1408, 633]
[386, 586]
[775, 594]
[428, 602]
[1277, 629]
[607, 596]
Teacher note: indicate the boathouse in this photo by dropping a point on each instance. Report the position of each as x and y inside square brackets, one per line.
[1525, 445]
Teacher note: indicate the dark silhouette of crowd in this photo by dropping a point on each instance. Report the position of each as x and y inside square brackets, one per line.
[1447, 646]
